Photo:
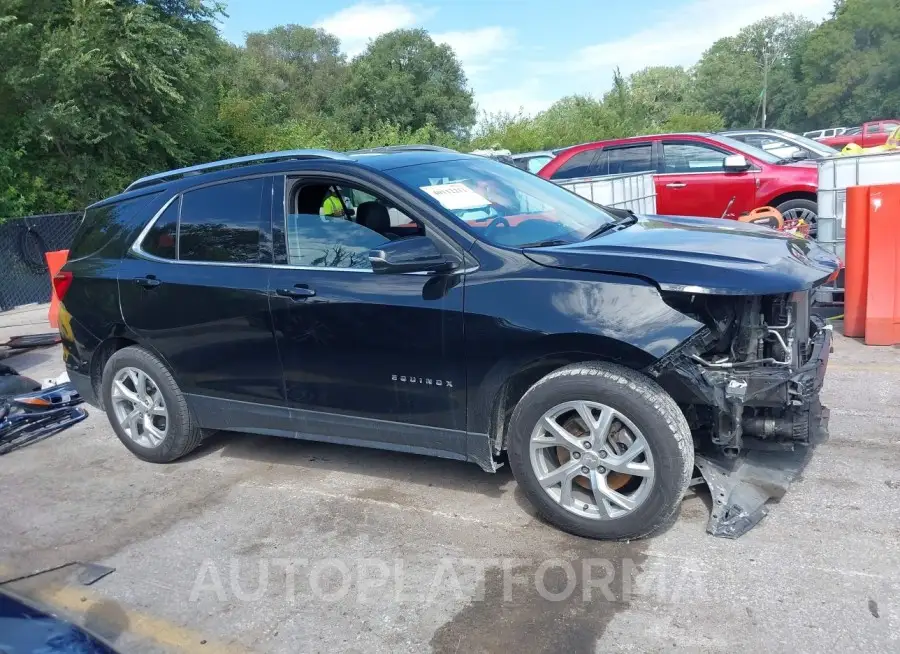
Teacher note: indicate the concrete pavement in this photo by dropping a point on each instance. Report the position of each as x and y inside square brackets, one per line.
[270, 545]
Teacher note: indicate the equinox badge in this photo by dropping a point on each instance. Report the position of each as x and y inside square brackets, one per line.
[427, 381]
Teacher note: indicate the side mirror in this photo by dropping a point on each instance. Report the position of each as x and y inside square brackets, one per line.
[736, 163]
[799, 155]
[411, 254]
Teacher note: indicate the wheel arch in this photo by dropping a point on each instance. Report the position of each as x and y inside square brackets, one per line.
[507, 381]
[119, 337]
[792, 195]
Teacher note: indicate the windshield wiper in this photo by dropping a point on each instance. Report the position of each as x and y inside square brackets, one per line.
[545, 244]
[622, 223]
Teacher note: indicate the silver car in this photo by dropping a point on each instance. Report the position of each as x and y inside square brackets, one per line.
[784, 145]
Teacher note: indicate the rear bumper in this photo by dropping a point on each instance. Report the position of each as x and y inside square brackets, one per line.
[85, 388]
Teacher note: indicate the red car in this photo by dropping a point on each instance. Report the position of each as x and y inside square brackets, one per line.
[867, 136]
[699, 174]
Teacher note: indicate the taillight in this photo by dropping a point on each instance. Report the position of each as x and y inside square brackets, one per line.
[61, 283]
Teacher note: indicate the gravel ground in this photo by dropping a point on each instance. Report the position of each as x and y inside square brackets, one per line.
[271, 545]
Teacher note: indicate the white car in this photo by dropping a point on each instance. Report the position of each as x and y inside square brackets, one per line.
[825, 133]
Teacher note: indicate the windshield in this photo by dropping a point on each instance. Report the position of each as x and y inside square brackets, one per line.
[503, 204]
[746, 148]
[809, 144]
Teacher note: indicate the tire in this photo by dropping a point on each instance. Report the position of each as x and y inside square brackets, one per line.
[802, 206]
[633, 398]
[182, 434]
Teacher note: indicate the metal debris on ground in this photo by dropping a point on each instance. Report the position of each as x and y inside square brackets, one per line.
[92, 572]
[26, 418]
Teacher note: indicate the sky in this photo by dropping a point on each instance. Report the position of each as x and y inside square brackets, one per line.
[526, 54]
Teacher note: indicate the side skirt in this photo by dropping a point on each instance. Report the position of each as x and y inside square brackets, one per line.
[273, 420]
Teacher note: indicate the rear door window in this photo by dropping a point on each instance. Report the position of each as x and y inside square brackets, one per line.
[582, 164]
[222, 223]
[627, 159]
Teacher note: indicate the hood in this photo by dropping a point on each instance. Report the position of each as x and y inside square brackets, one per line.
[806, 163]
[699, 255]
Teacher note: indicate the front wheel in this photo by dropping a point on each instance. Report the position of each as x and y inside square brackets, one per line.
[601, 451]
[806, 210]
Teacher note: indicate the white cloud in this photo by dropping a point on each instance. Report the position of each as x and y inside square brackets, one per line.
[683, 36]
[528, 97]
[679, 36]
[357, 24]
[477, 47]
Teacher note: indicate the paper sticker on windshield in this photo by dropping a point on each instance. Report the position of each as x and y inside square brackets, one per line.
[456, 196]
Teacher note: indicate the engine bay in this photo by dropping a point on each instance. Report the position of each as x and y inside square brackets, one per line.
[750, 378]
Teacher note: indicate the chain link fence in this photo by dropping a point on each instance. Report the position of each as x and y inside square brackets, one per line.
[23, 242]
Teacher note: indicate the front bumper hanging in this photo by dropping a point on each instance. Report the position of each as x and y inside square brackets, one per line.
[742, 485]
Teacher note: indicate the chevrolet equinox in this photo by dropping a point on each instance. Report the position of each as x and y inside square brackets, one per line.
[422, 300]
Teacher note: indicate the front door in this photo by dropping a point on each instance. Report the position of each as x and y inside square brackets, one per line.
[194, 292]
[693, 182]
[369, 359]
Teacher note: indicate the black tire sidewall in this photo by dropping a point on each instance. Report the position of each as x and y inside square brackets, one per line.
[668, 457]
[178, 423]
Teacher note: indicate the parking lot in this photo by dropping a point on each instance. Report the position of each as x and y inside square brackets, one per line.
[271, 545]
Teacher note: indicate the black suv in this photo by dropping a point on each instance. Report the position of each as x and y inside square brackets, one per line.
[422, 300]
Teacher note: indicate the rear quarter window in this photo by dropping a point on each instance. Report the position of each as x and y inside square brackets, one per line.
[108, 224]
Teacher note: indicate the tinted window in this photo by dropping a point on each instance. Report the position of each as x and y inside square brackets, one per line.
[160, 240]
[102, 225]
[632, 159]
[222, 222]
[692, 158]
[580, 165]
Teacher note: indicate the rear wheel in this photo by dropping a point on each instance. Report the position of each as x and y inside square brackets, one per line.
[601, 451]
[146, 408]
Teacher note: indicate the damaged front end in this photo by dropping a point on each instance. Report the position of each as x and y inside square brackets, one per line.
[749, 386]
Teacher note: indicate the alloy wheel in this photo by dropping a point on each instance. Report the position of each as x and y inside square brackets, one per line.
[809, 217]
[592, 460]
[140, 407]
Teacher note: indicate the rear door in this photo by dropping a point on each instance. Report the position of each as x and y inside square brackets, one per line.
[626, 159]
[193, 289]
[693, 182]
[374, 359]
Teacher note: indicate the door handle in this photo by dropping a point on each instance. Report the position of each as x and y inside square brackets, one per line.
[676, 185]
[150, 281]
[299, 292]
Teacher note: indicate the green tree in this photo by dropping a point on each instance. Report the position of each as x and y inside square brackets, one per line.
[730, 76]
[95, 92]
[300, 67]
[659, 92]
[405, 78]
[850, 64]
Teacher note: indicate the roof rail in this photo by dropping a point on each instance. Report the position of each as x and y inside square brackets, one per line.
[402, 148]
[236, 161]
